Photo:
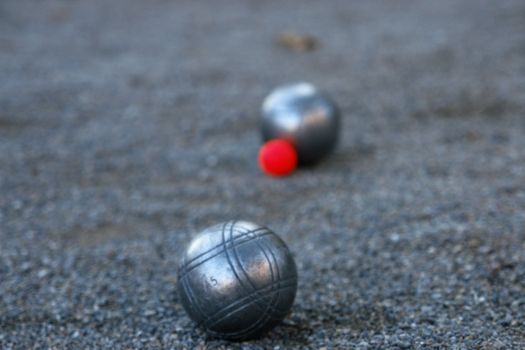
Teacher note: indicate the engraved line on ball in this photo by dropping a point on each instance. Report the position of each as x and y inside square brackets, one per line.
[233, 258]
[269, 303]
[270, 309]
[185, 283]
[267, 316]
[236, 258]
[281, 285]
[247, 291]
[239, 240]
[228, 258]
[240, 304]
[189, 293]
[248, 235]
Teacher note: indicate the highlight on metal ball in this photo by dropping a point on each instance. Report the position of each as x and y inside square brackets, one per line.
[237, 280]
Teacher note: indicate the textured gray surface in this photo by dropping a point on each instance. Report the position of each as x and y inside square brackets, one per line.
[128, 126]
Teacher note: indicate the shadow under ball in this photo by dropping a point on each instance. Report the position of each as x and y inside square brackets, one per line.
[237, 280]
[304, 116]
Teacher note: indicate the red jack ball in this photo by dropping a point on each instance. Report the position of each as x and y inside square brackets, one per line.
[278, 158]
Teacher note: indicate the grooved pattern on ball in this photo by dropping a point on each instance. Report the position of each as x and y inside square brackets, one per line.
[253, 266]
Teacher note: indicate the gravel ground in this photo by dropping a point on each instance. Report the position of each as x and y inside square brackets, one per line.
[127, 126]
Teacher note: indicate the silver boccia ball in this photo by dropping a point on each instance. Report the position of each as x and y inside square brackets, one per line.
[237, 280]
[301, 114]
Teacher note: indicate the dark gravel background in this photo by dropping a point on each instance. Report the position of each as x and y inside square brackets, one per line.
[128, 126]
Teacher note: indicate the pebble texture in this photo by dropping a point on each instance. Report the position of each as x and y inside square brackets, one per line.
[128, 126]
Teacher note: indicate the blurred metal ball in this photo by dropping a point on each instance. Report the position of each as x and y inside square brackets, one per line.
[237, 280]
[301, 114]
